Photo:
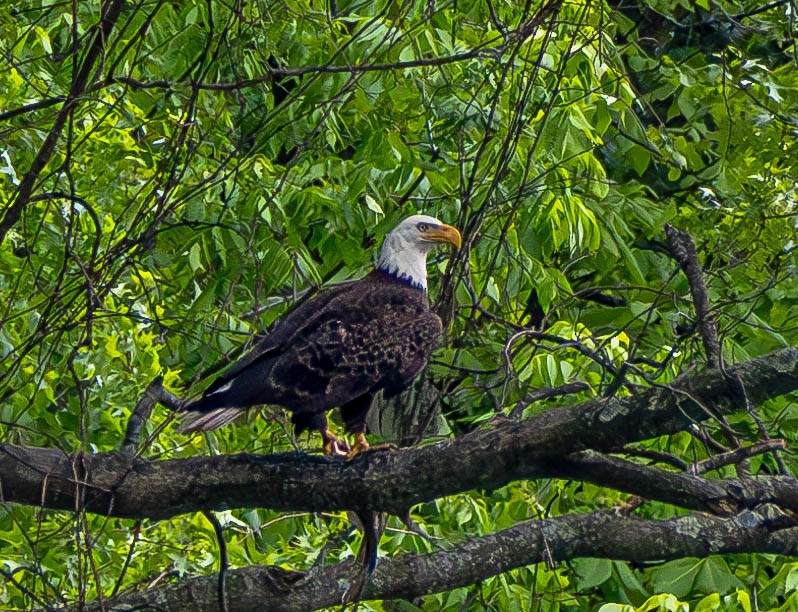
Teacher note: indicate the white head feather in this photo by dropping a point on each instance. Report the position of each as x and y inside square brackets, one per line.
[404, 251]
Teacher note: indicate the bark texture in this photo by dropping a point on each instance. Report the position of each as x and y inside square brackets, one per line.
[602, 534]
[746, 514]
[117, 484]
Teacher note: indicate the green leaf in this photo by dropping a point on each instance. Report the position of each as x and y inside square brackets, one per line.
[640, 158]
[592, 572]
[372, 205]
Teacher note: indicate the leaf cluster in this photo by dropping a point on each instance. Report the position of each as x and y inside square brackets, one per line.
[218, 162]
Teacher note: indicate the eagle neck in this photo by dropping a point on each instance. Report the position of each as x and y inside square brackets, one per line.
[403, 262]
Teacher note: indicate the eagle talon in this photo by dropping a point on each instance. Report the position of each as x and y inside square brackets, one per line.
[333, 446]
[362, 445]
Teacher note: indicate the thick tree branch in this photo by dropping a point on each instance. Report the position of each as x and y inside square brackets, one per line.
[602, 534]
[683, 489]
[117, 485]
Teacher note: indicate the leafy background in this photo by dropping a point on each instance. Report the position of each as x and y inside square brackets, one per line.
[224, 158]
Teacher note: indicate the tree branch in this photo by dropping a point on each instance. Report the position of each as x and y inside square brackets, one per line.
[117, 485]
[32, 107]
[684, 251]
[102, 30]
[545, 393]
[684, 489]
[602, 534]
[155, 393]
[738, 455]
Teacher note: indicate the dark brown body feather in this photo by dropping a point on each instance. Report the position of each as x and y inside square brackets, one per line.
[337, 349]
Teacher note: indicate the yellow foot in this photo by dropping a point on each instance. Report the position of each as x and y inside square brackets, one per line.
[362, 445]
[332, 446]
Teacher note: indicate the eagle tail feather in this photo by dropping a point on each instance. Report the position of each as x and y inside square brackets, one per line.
[208, 420]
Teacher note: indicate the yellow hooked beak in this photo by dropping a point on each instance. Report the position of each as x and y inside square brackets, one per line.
[444, 233]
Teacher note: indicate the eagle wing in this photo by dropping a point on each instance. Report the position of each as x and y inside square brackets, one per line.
[269, 345]
[347, 341]
[372, 337]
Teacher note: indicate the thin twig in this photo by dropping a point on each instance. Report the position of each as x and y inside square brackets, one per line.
[659, 456]
[737, 385]
[128, 558]
[545, 393]
[760, 10]
[224, 562]
[736, 456]
[9, 577]
[708, 440]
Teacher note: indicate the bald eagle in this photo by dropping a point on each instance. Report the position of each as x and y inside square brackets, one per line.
[341, 347]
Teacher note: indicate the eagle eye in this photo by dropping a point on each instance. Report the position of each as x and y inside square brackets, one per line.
[422, 227]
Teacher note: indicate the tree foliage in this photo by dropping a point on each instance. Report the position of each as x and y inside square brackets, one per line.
[174, 176]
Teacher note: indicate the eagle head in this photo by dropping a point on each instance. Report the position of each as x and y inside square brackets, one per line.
[404, 251]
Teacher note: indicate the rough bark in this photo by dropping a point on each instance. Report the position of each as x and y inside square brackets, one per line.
[120, 485]
[753, 514]
[602, 534]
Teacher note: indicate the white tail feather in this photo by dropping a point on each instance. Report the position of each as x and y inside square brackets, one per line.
[208, 421]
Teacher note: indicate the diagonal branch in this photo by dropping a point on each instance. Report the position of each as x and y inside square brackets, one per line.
[684, 489]
[684, 251]
[154, 394]
[102, 30]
